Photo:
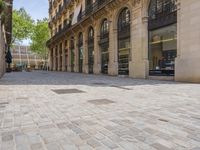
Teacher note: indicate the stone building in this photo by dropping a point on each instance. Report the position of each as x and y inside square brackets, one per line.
[23, 57]
[156, 39]
[5, 33]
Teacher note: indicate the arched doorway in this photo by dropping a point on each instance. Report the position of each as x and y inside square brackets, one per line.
[104, 45]
[123, 42]
[80, 52]
[162, 27]
[90, 49]
[72, 54]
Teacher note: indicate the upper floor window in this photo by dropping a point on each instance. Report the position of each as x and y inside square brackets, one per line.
[124, 19]
[104, 27]
[160, 8]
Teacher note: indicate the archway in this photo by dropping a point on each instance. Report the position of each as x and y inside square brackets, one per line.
[123, 41]
[162, 27]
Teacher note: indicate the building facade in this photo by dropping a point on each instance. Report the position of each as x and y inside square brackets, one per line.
[5, 32]
[24, 58]
[137, 38]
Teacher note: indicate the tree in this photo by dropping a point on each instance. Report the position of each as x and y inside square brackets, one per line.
[39, 37]
[2, 6]
[23, 25]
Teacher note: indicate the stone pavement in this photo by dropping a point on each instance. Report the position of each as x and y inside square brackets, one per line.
[71, 111]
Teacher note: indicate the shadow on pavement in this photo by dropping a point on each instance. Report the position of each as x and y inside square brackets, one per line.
[66, 78]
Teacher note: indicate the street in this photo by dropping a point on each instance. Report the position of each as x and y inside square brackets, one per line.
[72, 111]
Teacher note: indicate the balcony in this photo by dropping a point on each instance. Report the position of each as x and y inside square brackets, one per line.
[90, 10]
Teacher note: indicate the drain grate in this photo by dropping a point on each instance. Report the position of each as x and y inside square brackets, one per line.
[67, 91]
[4, 103]
[101, 101]
[163, 120]
[99, 83]
[120, 87]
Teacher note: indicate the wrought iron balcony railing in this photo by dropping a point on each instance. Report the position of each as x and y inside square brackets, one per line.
[91, 9]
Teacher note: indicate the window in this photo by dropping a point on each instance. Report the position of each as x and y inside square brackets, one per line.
[162, 37]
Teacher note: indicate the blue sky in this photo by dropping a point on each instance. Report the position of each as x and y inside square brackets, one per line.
[37, 9]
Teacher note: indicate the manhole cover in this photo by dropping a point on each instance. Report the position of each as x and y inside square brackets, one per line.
[67, 91]
[101, 101]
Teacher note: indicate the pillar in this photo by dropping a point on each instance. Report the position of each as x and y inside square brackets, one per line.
[138, 65]
[113, 49]
[76, 65]
[63, 57]
[97, 57]
[54, 59]
[85, 52]
[188, 54]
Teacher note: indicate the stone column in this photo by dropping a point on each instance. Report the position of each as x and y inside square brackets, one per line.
[139, 45]
[63, 57]
[113, 49]
[76, 65]
[54, 59]
[97, 58]
[187, 66]
[50, 60]
[85, 53]
[59, 54]
[69, 56]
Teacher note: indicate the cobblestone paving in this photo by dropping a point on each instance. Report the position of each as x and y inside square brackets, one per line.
[69, 111]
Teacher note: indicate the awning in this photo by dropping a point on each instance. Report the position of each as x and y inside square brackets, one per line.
[76, 13]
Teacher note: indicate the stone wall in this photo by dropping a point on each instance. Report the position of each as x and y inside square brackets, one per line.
[187, 62]
[187, 66]
[2, 51]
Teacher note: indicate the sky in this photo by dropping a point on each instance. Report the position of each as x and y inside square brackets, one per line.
[37, 9]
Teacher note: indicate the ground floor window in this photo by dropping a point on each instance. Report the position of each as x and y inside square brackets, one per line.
[81, 59]
[90, 58]
[104, 58]
[123, 56]
[163, 50]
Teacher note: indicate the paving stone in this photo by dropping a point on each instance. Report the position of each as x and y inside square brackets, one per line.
[131, 115]
[7, 138]
[93, 143]
[36, 146]
[160, 147]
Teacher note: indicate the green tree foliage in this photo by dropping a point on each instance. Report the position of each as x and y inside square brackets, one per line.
[39, 37]
[2, 6]
[23, 25]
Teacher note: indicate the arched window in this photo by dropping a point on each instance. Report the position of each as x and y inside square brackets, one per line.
[80, 51]
[104, 28]
[162, 13]
[91, 34]
[124, 19]
[90, 49]
[124, 41]
[162, 26]
[104, 45]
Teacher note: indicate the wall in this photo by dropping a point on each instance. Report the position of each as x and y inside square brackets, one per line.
[2, 51]
[187, 62]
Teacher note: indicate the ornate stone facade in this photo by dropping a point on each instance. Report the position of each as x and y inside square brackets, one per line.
[124, 48]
